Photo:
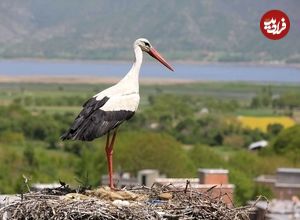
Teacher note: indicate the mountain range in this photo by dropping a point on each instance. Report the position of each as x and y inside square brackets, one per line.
[192, 30]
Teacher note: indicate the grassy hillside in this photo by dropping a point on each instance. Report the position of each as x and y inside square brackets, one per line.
[184, 30]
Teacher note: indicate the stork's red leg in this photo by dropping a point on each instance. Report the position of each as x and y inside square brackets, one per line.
[107, 141]
[109, 154]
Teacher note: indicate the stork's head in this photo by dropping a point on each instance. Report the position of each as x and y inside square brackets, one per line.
[145, 45]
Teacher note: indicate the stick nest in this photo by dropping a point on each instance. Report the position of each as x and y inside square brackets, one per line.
[157, 202]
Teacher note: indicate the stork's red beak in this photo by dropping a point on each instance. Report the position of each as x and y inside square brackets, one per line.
[159, 57]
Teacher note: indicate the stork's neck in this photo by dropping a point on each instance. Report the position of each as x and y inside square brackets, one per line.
[131, 80]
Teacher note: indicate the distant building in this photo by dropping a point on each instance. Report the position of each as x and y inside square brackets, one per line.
[147, 177]
[258, 145]
[204, 111]
[284, 185]
[276, 210]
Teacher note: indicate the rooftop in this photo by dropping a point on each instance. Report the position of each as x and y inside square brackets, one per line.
[288, 170]
[148, 171]
[288, 185]
[266, 178]
[280, 209]
[213, 171]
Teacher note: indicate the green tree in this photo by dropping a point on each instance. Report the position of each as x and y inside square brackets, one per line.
[169, 106]
[204, 156]
[148, 150]
[288, 100]
[274, 129]
[244, 186]
[262, 98]
[210, 130]
[288, 143]
[184, 131]
[287, 140]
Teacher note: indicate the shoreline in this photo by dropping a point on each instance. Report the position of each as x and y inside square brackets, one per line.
[187, 62]
[112, 80]
[87, 80]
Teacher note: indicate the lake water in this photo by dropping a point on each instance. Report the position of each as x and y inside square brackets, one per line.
[203, 72]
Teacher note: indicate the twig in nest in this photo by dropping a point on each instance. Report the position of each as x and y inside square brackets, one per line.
[188, 183]
[211, 188]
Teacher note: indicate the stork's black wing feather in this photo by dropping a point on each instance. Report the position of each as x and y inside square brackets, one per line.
[89, 107]
[92, 122]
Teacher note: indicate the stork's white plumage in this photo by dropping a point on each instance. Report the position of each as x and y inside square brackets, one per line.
[105, 111]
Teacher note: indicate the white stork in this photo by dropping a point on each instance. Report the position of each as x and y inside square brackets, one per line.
[105, 111]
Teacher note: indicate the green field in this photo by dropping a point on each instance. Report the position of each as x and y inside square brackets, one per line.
[242, 92]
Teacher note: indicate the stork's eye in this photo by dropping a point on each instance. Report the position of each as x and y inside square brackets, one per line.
[147, 44]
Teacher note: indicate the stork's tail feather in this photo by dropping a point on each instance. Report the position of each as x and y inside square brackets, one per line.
[66, 136]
